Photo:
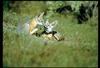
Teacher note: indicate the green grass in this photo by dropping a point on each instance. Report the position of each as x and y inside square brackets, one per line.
[79, 49]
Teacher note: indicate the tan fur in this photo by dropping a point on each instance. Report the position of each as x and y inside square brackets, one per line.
[58, 37]
[49, 36]
[32, 25]
[52, 37]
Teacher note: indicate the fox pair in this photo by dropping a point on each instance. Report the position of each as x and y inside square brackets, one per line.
[48, 28]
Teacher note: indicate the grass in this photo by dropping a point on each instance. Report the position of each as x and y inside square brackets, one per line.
[79, 49]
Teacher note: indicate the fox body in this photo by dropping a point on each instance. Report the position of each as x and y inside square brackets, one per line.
[48, 28]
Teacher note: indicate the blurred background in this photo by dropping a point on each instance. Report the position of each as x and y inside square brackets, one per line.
[80, 29]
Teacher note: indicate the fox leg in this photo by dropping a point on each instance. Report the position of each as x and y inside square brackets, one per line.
[56, 37]
[33, 31]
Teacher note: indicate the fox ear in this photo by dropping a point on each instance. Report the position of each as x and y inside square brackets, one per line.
[54, 23]
[41, 15]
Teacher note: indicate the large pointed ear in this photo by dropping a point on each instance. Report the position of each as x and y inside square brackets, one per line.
[54, 23]
[41, 15]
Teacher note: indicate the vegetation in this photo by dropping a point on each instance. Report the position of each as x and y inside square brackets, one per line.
[79, 49]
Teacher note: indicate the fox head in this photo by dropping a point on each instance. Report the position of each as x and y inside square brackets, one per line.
[49, 26]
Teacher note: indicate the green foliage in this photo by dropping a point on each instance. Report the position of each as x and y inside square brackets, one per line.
[5, 5]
